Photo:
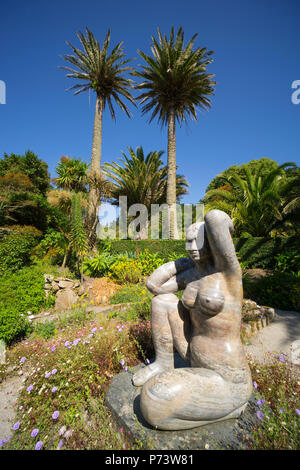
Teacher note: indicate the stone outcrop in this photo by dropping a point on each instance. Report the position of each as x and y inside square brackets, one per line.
[255, 317]
[66, 291]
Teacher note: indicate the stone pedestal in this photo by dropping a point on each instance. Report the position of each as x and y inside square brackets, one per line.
[123, 399]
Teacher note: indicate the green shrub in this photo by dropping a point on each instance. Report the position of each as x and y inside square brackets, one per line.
[16, 247]
[12, 326]
[253, 252]
[288, 262]
[100, 265]
[258, 252]
[281, 290]
[139, 296]
[46, 330]
[21, 292]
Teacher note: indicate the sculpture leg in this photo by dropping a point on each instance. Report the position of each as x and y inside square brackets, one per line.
[169, 330]
[187, 398]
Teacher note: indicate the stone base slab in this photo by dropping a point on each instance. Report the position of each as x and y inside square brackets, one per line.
[123, 399]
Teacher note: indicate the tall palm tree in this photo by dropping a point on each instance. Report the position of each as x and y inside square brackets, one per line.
[257, 203]
[104, 74]
[175, 83]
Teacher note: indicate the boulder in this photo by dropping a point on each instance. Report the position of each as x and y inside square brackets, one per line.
[64, 299]
[66, 284]
[55, 286]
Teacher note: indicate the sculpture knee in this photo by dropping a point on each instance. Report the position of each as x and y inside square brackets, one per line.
[159, 401]
[163, 302]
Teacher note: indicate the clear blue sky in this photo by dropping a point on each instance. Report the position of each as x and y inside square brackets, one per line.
[257, 57]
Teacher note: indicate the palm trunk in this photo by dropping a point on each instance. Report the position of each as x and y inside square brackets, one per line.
[171, 181]
[92, 216]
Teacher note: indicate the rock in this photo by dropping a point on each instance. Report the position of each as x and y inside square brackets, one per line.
[47, 286]
[48, 277]
[66, 284]
[64, 299]
[123, 398]
[249, 305]
[81, 290]
[295, 352]
[55, 286]
[2, 352]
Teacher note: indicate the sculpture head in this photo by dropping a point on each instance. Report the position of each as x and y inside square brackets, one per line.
[197, 243]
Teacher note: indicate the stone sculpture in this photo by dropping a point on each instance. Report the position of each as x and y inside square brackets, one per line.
[204, 327]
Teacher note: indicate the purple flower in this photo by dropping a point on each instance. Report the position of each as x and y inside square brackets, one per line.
[34, 432]
[29, 388]
[254, 384]
[47, 375]
[67, 344]
[53, 348]
[91, 335]
[60, 444]
[54, 389]
[2, 442]
[16, 426]
[281, 358]
[125, 369]
[94, 330]
[260, 415]
[261, 402]
[55, 415]
[39, 445]
[53, 371]
[23, 359]
[76, 342]
[122, 362]
[281, 410]
[298, 412]
[147, 361]
[101, 328]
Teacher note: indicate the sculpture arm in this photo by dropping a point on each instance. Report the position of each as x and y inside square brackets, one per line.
[170, 277]
[219, 230]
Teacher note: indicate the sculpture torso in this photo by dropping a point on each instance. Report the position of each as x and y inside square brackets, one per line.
[215, 316]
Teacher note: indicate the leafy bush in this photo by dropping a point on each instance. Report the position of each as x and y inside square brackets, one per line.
[139, 296]
[288, 262]
[53, 246]
[12, 326]
[19, 293]
[16, 247]
[281, 290]
[100, 265]
[46, 330]
[253, 252]
[134, 270]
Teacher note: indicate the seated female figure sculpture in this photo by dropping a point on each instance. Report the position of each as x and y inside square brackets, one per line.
[204, 327]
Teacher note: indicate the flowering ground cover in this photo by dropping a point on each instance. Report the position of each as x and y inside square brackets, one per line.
[277, 387]
[69, 367]
[61, 405]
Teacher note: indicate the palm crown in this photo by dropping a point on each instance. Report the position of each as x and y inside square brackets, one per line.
[175, 78]
[143, 179]
[102, 72]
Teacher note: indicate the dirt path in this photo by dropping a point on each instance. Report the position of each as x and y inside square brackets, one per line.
[276, 338]
[9, 391]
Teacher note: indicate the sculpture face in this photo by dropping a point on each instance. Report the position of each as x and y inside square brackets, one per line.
[196, 242]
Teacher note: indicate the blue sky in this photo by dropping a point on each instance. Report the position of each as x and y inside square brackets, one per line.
[256, 59]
